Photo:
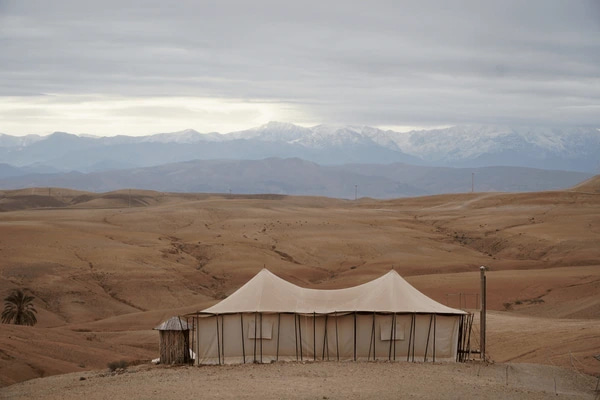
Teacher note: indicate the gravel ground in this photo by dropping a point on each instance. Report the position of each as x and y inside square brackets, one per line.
[322, 380]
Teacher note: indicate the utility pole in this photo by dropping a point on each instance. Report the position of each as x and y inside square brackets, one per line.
[482, 313]
[355, 192]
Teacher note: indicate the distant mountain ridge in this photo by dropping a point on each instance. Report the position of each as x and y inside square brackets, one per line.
[573, 149]
[293, 176]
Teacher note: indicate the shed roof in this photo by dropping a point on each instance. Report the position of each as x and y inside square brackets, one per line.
[173, 324]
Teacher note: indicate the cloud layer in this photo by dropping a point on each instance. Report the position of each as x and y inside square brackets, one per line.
[150, 66]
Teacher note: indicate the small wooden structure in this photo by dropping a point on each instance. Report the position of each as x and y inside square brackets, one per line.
[174, 341]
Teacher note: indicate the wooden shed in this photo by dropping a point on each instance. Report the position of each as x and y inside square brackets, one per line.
[174, 344]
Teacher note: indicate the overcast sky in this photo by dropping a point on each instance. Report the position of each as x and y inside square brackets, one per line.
[141, 67]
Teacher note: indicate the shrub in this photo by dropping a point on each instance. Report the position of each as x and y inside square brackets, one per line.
[115, 365]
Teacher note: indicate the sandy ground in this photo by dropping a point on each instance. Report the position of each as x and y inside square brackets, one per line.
[324, 380]
[106, 268]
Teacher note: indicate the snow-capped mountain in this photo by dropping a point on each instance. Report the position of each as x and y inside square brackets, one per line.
[574, 149]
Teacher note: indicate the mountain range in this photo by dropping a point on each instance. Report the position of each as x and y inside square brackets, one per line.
[321, 160]
[573, 149]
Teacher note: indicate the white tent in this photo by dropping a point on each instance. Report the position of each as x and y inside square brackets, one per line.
[269, 319]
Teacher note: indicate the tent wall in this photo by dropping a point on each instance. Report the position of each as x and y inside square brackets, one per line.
[264, 338]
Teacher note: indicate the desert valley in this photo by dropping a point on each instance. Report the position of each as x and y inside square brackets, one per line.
[107, 268]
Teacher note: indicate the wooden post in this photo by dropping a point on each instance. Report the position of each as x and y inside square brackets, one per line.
[482, 314]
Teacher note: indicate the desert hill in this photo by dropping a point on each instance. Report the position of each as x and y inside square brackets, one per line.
[106, 268]
[591, 185]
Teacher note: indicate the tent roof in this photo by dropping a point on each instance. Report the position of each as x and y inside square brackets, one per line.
[267, 292]
[173, 324]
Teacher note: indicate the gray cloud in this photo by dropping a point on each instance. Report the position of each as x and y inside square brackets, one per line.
[381, 63]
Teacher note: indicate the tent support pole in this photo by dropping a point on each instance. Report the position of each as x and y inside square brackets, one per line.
[243, 344]
[218, 339]
[261, 338]
[354, 335]
[278, 330]
[372, 341]
[254, 356]
[198, 340]
[187, 354]
[337, 342]
[434, 327]
[395, 336]
[414, 335]
[428, 334]
[223, 336]
[391, 336]
[300, 332]
[325, 343]
[296, 335]
[409, 339]
[314, 336]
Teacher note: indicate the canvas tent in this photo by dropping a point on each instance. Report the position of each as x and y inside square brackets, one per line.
[269, 319]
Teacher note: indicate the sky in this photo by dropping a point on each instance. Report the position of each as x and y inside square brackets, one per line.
[141, 67]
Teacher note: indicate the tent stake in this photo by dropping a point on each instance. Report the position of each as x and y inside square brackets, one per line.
[243, 345]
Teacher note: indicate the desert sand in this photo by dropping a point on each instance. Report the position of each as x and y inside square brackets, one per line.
[107, 268]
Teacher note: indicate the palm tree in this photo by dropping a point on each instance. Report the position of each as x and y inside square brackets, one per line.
[18, 309]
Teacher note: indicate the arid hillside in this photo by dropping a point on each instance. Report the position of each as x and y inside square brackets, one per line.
[106, 268]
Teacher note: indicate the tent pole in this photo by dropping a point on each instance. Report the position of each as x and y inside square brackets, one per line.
[223, 336]
[243, 345]
[198, 340]
[254, 356]
[296, 336]
[300, 332]
[374, 338]
[187, 321]
[278, 330]
[434, 327]
[409, 339]
[372, 341]
[391, 337]
[314, 336]
[428, 335]
[218, 339]
[325, 342]
[354, 335]
[414, 335]
[261, 338]
[337, 342]
[395, 335]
